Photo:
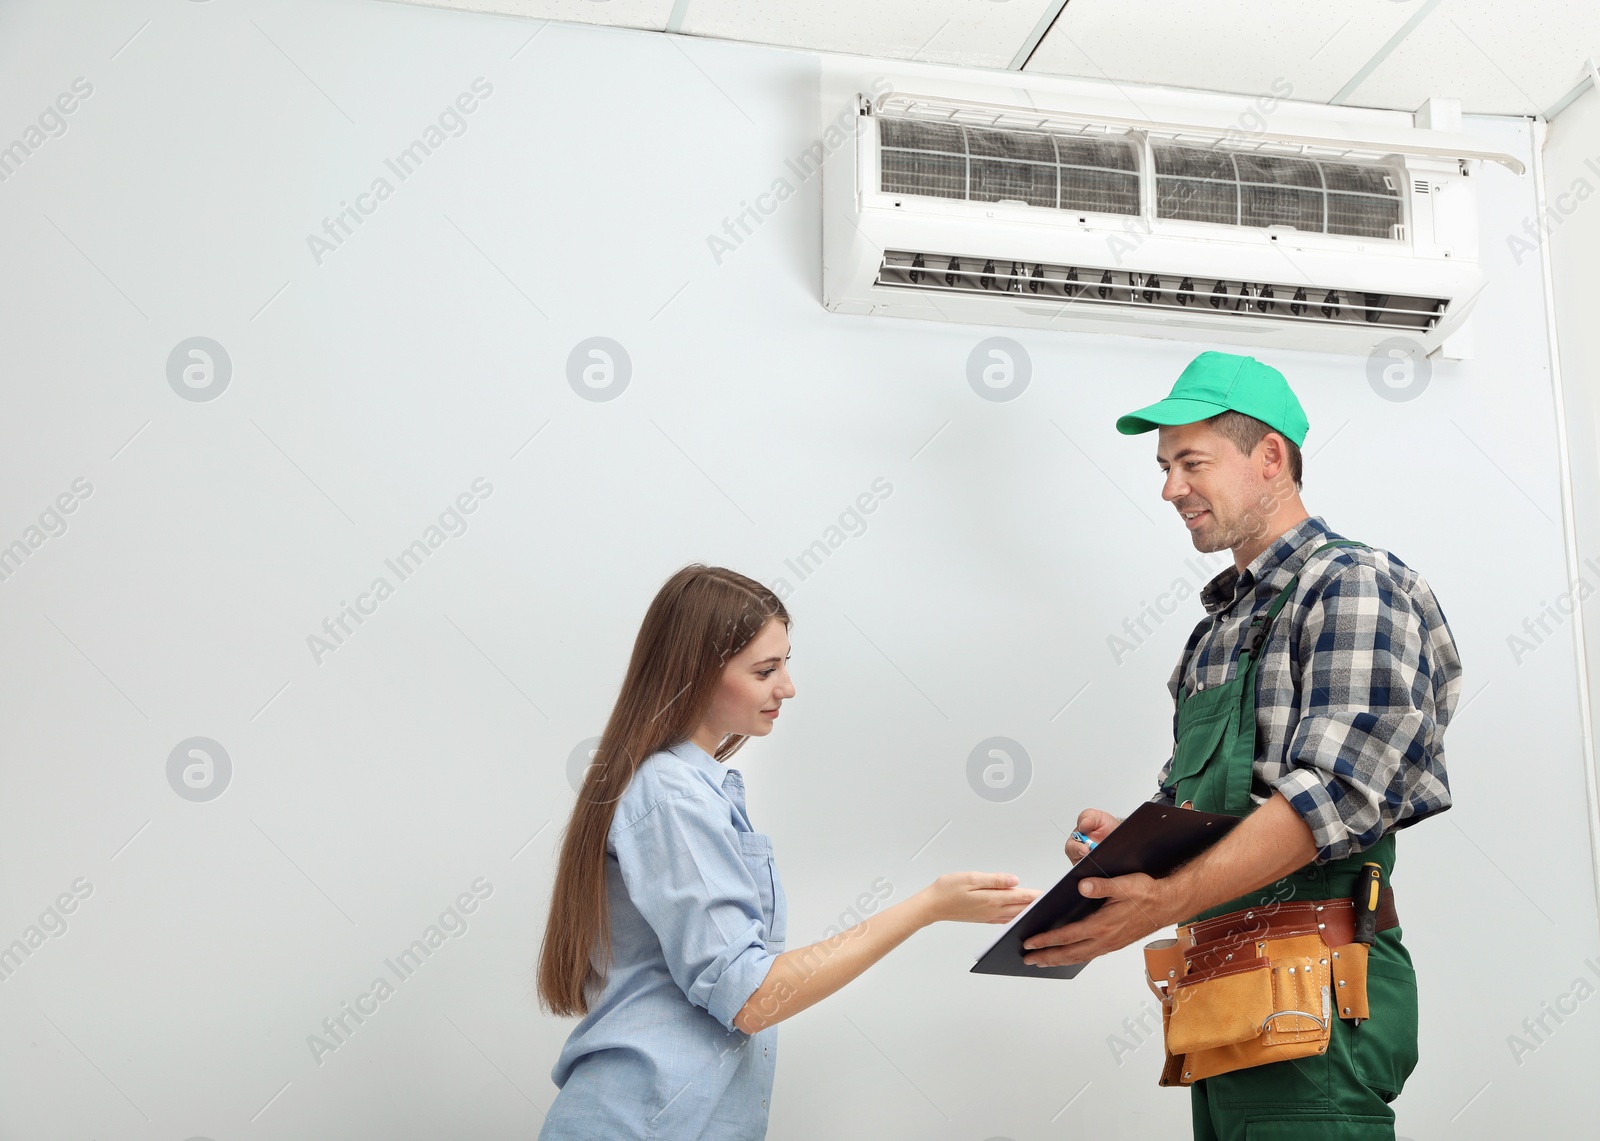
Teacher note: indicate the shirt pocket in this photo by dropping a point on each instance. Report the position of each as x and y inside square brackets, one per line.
[756, 849]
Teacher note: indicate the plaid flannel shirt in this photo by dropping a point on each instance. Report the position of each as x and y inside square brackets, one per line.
[1358, 679]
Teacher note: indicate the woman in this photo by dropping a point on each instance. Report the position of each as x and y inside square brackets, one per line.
[666, 929]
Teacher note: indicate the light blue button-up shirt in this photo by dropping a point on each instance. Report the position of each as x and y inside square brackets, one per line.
[697, 917]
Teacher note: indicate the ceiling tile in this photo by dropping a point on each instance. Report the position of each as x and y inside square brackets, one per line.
[618, 13]
[1497, 59]
[1241, 46]
[976, 33]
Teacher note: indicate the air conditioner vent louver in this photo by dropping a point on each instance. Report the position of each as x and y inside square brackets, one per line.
[1234, 188]
[1088, 288]
[990, 164]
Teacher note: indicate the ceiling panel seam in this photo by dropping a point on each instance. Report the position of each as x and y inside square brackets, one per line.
[1382, 54]
[1591, 79]
[1036, 37]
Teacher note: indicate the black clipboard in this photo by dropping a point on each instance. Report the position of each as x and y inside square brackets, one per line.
[1155, 839]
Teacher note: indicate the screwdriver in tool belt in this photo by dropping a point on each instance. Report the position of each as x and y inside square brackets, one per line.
[1366, 901]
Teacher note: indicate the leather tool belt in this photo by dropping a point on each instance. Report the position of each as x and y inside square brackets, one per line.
[1259, 985]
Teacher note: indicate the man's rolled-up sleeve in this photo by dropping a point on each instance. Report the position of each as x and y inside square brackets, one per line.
[684, 871]
[1366, 756]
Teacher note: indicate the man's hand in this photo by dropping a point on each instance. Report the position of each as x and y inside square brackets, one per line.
[1135, 906]
[1270, 843]
[1095, 824]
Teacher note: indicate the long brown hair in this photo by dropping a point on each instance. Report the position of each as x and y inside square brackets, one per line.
[700, 618]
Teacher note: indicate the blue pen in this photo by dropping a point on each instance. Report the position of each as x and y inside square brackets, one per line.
[1082, 839]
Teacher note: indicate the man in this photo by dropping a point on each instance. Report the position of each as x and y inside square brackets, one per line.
[1312, 701]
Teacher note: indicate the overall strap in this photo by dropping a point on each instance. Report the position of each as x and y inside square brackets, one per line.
[1259, 625]
[1238, 761]
[1257, 632]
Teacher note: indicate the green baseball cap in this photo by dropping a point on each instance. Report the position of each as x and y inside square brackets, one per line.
[1217, 382]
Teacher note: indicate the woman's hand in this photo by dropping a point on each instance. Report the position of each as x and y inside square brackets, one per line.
[976, 897]
[1096, 825]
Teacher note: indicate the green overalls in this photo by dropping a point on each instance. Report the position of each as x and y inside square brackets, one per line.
[1344, 1094]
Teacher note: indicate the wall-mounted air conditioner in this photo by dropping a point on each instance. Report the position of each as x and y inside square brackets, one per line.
[1169, 220]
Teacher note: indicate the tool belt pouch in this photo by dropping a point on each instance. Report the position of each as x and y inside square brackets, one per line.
[1246, 1003]
[1163, 964]
[1350, 980]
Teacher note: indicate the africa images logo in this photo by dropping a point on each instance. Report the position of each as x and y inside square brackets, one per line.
[999, 769]
[199, 369]
[199, 769]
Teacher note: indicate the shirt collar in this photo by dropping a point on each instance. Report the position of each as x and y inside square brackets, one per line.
[1282, 559]
[714, 770]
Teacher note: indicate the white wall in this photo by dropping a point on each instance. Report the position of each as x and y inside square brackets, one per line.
[367, 392]
[1567, 231]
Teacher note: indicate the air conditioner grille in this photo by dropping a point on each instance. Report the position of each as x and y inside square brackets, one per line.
[987, 164]
[1208, 184]
[1087, 288]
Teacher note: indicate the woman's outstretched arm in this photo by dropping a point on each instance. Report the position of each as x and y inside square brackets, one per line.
[805, 976]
